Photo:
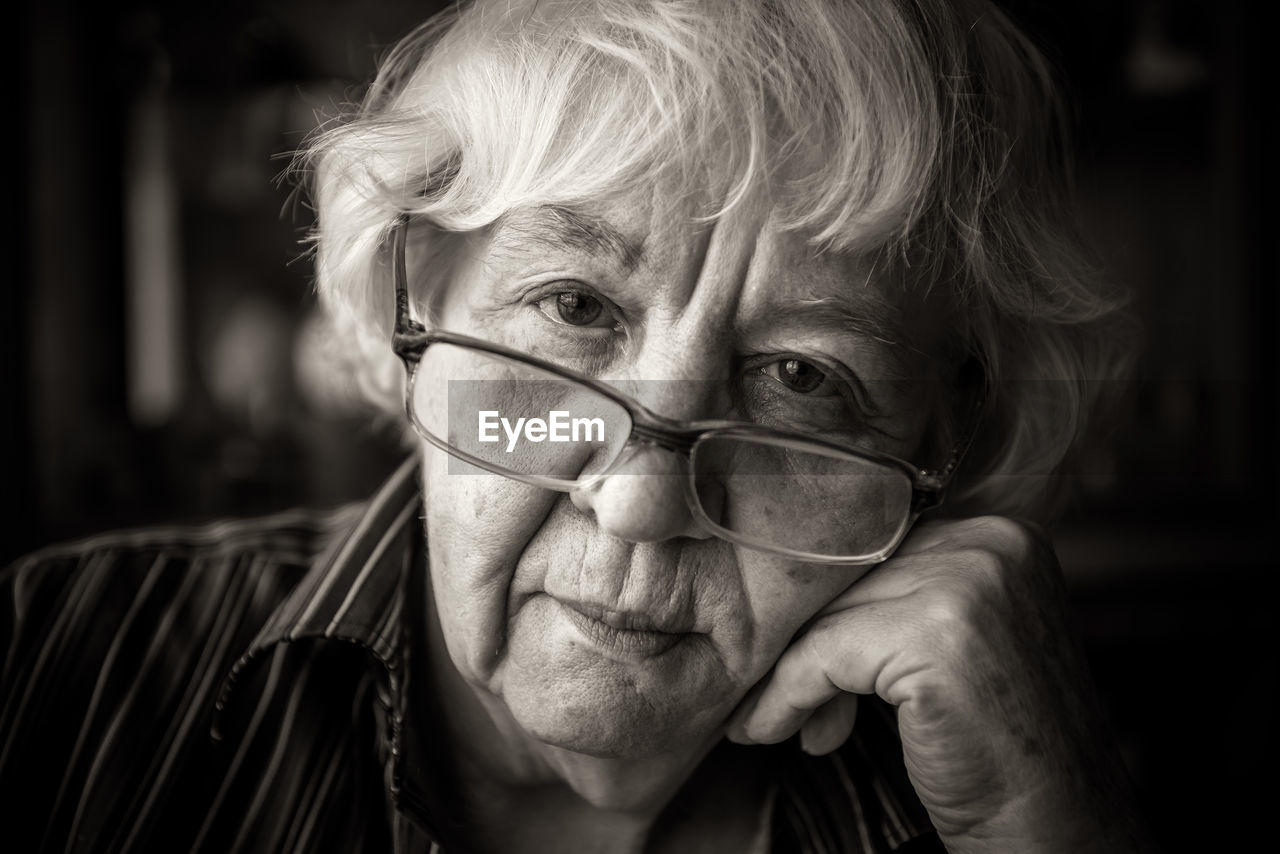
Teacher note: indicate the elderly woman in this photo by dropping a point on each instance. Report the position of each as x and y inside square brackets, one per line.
[696, 312]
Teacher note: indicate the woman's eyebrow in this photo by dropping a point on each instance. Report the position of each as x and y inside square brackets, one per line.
[869, 315]
[567, 229]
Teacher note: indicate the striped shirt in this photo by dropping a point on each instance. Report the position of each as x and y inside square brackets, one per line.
[244, 686]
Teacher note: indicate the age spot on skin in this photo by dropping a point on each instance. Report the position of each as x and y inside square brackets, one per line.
[801, 575]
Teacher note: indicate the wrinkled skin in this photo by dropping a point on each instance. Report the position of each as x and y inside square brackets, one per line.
[964, 632]
[962, 629]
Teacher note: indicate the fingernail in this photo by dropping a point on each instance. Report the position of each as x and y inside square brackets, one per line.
[806, 741]
[812, 741]
[739, 720]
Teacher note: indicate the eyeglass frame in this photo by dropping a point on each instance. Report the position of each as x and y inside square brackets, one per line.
[410, 340]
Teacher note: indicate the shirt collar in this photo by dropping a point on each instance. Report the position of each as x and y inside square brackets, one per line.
[354, 590]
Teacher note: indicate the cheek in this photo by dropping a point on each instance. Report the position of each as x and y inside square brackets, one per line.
[477, 526]
[783, 596]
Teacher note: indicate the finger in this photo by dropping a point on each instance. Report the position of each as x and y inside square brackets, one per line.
[944, 551]
[949, 534]
[735, 729]
[927, 535]
[845, 652]
[894, 579]
[796, 687]
[829, 726]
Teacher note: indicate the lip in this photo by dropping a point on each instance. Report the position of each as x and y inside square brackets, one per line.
[626, 633]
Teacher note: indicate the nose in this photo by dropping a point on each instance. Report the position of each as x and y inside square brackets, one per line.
[643, 500]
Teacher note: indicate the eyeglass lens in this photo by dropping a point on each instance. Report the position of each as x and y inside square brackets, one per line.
[509, 417]
[772, 493]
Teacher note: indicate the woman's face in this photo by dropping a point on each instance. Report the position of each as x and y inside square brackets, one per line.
[605, 620]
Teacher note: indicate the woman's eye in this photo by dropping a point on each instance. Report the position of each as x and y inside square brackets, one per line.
[800, 376]
[575, 308]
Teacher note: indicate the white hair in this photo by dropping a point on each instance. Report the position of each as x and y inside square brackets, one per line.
[928, 130]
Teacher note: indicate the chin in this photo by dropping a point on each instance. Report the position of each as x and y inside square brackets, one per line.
[603, 720]
[570, 693]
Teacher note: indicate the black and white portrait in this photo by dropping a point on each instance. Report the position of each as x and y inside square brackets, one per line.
[638, 426]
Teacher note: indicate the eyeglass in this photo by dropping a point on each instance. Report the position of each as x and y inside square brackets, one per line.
[777, 491]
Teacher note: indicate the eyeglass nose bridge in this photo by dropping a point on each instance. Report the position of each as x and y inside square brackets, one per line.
[677, 441]
[668, 440]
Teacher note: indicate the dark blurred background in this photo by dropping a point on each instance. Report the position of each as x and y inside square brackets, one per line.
[158, 317]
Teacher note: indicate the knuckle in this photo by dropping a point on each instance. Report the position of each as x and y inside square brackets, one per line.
[1015, 537]
[997, 546]
[976, 576]
[958, 616]
[951, 610]
[976, 562]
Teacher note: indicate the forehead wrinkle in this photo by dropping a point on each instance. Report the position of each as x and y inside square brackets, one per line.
[867, 313]
[871, 304]
[717, 260]
[874, 318]
[563, 228]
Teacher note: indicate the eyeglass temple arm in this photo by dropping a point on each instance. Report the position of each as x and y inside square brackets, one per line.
[406, 332]
[931, 486]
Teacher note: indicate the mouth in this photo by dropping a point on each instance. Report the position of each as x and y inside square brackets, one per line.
[625, 633]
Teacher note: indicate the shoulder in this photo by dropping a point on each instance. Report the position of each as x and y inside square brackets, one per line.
[79, 620]
[293, 535]
[102, 573]
[112, 649]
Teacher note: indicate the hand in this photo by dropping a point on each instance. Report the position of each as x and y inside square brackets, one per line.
[964, 631]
